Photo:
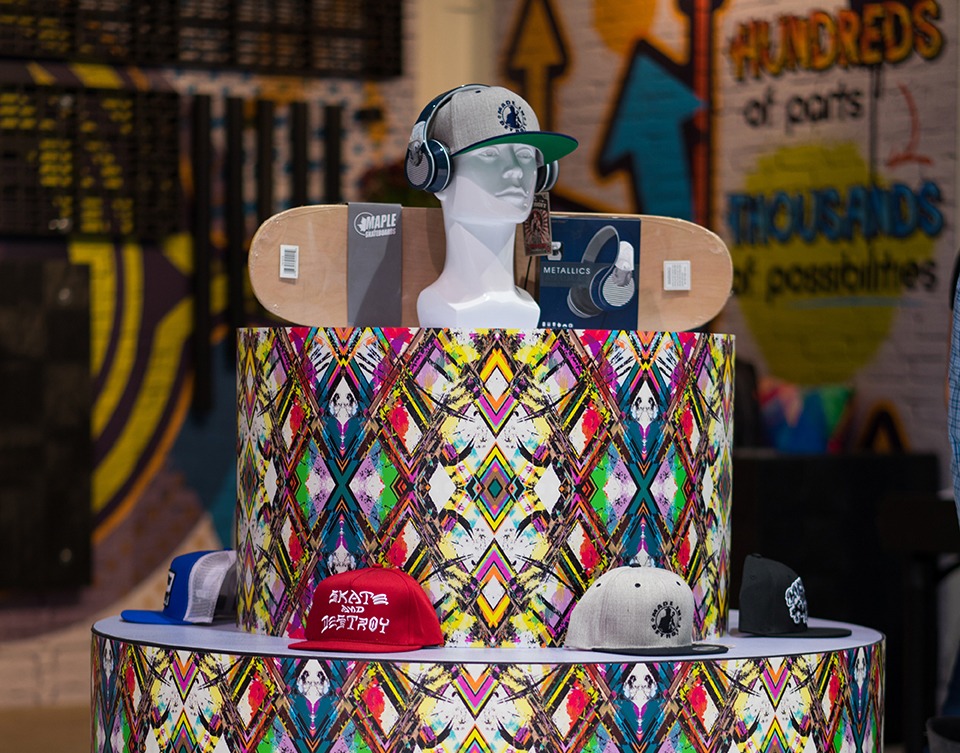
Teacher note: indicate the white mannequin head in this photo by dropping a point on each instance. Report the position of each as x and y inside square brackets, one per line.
[493, 184]
[479, 149]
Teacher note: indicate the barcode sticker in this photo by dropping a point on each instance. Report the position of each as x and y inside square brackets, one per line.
[289, 262]
[676, 275]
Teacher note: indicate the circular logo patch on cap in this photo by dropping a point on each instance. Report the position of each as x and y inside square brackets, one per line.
[666, 619]
[511, 116]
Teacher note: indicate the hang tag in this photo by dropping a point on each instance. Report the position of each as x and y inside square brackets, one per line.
[537, 235]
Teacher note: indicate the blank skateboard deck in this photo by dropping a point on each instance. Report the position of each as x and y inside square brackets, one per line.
[318, 295]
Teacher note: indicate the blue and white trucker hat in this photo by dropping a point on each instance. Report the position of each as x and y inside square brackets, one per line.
[201, 587]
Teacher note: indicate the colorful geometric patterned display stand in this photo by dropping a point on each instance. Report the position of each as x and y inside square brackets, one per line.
[502, 469]
[226, 690]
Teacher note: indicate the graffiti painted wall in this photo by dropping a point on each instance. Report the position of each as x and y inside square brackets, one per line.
[836, 191]
[164, 463]
[817, 139]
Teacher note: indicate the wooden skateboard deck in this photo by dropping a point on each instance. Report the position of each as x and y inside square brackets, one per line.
[318, 295]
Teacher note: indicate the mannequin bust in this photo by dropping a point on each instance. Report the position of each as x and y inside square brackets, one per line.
[480, 150]
[490, 192]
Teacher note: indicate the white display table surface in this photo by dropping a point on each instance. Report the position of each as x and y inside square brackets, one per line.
[227, 638]
[226, 690]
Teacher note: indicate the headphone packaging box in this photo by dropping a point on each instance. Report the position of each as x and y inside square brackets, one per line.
[589, 280]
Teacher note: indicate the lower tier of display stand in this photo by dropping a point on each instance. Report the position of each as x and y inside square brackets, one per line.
[217, 689]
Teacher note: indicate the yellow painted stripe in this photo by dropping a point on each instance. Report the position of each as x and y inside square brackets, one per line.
[97, 76]
[154, 396]
[178, 250]
[145, 478]
[40, 74]
[218, 294]
[128, 338]
[103, 295]
[169, 436]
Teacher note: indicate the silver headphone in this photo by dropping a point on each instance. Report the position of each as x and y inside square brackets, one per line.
[428, 165]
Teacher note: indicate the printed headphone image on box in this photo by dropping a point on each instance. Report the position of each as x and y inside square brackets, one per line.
[589, 281]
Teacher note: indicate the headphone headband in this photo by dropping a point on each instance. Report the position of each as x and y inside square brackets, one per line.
[421, 130]
[598, 241]
[598, 295]
[428, 164]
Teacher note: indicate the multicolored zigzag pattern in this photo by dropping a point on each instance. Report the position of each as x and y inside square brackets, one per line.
[502, 469]
[150, 699]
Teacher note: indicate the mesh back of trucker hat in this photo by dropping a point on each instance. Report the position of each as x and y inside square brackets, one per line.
[201, 586]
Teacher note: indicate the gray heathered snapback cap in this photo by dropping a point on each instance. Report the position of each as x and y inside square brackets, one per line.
[482, 115]
[637, 610]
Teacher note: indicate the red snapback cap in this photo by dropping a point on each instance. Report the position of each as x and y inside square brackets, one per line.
[370, 609]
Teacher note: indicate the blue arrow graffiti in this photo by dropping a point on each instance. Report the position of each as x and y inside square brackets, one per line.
[645, 137]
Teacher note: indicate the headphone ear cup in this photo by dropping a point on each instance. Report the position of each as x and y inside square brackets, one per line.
[586, 300]
[547, 176]
[428, 167]
[418, 166]
[442, 166]
[580, 302]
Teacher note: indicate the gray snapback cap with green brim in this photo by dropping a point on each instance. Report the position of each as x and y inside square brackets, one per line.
[479, 116]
